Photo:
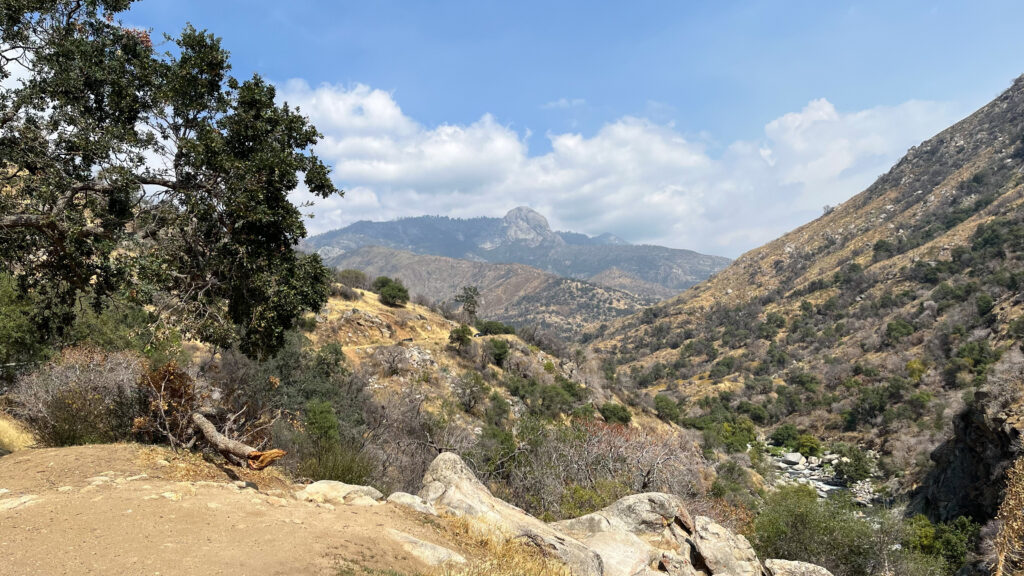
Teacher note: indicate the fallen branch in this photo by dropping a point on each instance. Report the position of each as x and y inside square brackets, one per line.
[257, 460]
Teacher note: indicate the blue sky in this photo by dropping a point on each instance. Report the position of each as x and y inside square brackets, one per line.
[706, 125]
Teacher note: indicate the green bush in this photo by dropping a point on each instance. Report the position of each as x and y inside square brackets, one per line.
[897, 330]
[794, 525]
[493, 327]
[950, 541]
[580, 500]
[785, 435]
[393, 294]
[614, 413]
[666, 408]
[808, 445]
[324, 456]
[857, 467]
[499, 350]
[460, 336]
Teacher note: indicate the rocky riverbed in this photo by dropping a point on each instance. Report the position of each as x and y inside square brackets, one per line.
[818, 472]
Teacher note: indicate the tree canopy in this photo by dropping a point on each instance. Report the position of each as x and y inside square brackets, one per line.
[155, 178]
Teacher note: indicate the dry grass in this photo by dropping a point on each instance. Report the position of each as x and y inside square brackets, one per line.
[13, 436]
[491, 555]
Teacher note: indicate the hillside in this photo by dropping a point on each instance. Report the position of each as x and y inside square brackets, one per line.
[875, 323]
[511, 293]
[524, 237]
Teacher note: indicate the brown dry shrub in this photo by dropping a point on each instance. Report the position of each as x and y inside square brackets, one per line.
[86, 396]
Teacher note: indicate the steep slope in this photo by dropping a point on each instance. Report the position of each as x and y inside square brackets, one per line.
[512, 293]
[874, 323]
[524, 237]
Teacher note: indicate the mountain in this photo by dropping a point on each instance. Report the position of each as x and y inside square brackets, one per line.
[523, 236]
[512, 293]
[874, 324]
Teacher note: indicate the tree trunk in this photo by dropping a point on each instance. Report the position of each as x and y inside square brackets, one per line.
[256, 459]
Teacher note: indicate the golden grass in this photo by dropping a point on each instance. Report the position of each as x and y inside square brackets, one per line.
[13, 436]
[491, 555]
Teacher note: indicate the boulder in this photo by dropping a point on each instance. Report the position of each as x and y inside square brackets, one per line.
[412, 502]
[792, 568]
[648, 513]
[723, 552]
[450, 486]
[333, 492]
[793, 458]
[622, 553]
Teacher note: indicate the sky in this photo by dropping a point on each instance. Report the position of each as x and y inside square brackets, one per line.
[713, 126]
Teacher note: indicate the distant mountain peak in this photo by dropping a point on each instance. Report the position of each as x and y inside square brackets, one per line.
[527, 226]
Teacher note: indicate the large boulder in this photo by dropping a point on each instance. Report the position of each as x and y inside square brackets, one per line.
[722, 552]
[792, 568]
[450, 486]
[333, 492]
[411, 502]
[648, 513]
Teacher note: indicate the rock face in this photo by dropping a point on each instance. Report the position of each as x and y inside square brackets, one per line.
[969, 467]
[639, 535]
[527, 226]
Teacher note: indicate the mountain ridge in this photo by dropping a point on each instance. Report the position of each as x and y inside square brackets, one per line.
[523, 236]
[870, 324]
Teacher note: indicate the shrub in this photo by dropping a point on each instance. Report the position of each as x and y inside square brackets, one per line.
[84, 397]
[352, 278]
[460, 336]
[580, 500]
[614, 413]
[493, 327]
[393, 294]
[470, 390]
[794, 525]
[324, 455]
[854, 465]
[897, 330]
[808, 445]
[666, 408]
[344, 292]
[785, 435]
[499, 350]
[949, 541]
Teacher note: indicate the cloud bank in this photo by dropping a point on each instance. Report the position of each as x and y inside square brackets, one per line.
[641, 180]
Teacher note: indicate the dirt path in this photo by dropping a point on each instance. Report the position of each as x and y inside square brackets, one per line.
[128, 510]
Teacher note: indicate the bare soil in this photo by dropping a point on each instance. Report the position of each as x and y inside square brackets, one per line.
[133, 510]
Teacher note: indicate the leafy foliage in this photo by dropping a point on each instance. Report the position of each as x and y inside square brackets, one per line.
[86, 211]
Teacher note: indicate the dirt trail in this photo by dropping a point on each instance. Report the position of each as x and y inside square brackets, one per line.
[129, 510]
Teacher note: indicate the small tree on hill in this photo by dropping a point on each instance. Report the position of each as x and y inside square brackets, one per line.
[460, 337]
[394, 294]
[469, 297]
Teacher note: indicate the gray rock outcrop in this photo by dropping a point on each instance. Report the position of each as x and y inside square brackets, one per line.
[639, 535]
[450, 486]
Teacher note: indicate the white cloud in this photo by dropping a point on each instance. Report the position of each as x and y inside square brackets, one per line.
[564, 103]
[641, 180]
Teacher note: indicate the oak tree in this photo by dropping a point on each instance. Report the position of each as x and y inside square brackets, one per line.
[153, 177]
